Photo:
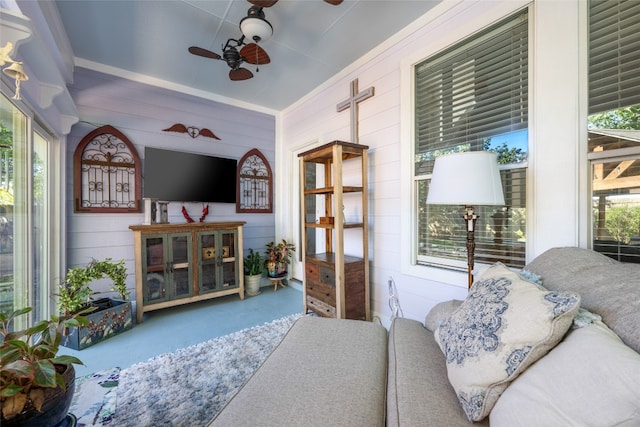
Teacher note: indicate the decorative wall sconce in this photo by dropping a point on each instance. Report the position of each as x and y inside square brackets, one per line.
[15, 70]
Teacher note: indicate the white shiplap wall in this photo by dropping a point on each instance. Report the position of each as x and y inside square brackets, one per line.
[557, 195]
[556, 55]
[140, 112]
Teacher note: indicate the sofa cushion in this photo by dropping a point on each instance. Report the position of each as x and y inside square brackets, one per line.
[325, 372]
[607, 287]
[504, 325]
[418, 392]
[590, 378]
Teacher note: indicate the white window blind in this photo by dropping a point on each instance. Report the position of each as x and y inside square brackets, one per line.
[614, 54]
[472, 92]
[474, 96]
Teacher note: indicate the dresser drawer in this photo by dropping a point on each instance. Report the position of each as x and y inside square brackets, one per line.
[327, 276]
[320, 307]
[311, 272]
[319, 273]
[321, 292]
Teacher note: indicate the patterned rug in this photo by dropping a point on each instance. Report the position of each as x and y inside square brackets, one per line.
[184, 388]
[94, 399]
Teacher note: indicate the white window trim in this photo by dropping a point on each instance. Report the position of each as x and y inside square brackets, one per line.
[56, 202]
[462, 21]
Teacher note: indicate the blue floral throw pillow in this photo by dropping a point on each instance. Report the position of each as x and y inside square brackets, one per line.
[504, 325]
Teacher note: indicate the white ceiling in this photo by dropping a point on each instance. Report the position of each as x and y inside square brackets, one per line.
[312, 41]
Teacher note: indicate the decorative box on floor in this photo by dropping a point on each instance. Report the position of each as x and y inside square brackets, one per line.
[110, 318]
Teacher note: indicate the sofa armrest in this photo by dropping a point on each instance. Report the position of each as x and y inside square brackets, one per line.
[418, 389]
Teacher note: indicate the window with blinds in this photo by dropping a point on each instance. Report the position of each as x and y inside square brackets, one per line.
[614, 127]
[474, 96]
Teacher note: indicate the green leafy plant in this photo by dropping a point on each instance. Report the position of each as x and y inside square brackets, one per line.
[28, 360]
[75, 293]
[622, 222]
[253, 263]
[280, 252]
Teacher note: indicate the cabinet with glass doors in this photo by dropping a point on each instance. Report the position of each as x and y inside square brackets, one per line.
[182, 263]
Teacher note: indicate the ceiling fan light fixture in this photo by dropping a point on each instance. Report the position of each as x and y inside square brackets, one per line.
[255, 27]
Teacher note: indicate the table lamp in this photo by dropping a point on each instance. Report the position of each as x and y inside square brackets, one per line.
[471, 178]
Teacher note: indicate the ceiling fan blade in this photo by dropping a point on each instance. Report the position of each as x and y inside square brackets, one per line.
[240, 74]
[334, 2]
[203, 52]
[263, 3]
[254, 54]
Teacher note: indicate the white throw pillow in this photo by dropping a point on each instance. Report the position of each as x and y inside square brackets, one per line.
[504, 325]
[590, 378]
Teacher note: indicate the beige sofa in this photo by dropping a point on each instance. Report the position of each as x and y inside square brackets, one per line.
[351, 373]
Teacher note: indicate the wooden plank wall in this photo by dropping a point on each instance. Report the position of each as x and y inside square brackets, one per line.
[140, 112]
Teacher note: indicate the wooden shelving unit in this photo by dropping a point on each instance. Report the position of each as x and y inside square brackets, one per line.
[335, 284]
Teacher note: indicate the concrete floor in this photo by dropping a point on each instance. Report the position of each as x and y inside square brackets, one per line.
[169, 329]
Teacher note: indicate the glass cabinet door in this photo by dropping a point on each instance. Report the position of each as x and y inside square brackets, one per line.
[155, 289]
[208, 260]
[180, 265]
[218, 266]
[167, 267]
[228, 261]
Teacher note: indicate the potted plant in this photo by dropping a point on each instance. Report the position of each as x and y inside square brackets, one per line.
[109, 316]
[278, 257]
[253, 267]
[36, 385]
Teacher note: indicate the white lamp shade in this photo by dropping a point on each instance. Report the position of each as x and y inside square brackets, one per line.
[470, 178]
[256, 29]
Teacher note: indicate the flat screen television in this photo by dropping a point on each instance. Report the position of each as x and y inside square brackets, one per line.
[186, 177]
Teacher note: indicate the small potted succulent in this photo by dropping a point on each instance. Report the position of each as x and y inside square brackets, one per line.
[110, 316]
[253, 267]
[36, 385]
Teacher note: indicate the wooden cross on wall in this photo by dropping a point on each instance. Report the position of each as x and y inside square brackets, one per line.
[352, 102]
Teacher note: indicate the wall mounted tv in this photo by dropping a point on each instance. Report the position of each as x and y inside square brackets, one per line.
[186, 177]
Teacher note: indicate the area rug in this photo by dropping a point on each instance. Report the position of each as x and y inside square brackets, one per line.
[189, 386]
[94, 399]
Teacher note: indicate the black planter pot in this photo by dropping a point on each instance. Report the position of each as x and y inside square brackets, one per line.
[55, 408]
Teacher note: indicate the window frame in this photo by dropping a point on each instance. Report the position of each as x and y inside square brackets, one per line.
[49, 269]
[450, 272]
[613, 101]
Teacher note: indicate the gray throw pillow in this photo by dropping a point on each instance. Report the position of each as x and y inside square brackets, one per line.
[439, 313]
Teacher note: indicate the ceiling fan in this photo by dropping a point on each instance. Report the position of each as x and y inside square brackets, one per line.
[236, 51]
[269, 3]
[234, 57]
